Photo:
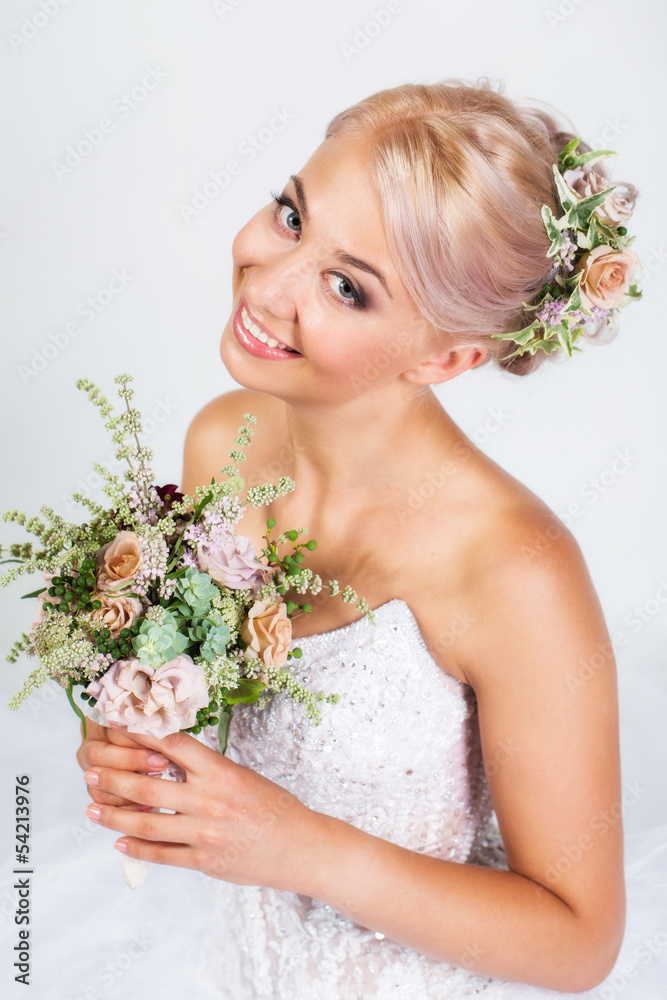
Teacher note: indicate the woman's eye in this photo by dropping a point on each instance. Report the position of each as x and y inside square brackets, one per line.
[287, 212]
[344, 288]
[290, 218]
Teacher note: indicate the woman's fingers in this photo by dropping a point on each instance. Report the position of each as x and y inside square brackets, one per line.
[105, 748]
[121, 737]
[123, 758]
[129, 787]
[179, 855]
[107, 799]
[163, 827]
[184, 750]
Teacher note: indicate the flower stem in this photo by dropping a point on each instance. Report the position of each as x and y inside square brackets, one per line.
[76, 708]
[226, 712]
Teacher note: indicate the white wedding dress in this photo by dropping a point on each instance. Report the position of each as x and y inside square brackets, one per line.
[398, 756]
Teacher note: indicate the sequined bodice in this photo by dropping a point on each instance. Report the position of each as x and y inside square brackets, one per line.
[399, 757]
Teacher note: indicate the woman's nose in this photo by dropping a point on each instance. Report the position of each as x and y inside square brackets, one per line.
[279, 282]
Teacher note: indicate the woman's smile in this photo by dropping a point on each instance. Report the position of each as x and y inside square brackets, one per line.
[256, 339]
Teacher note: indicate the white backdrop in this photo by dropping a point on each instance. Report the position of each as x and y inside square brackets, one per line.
[115, 256]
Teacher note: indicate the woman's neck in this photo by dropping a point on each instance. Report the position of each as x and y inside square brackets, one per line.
[364, 444]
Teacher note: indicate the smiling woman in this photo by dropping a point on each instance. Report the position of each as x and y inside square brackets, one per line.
[314, 283]
[439, 836]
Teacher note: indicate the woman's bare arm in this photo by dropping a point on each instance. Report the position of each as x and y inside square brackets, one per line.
[541, 663]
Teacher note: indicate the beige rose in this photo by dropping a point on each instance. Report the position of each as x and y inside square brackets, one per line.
[119, 561]
[617, 208]
[268, 632]
[117, 612]
[606, 275]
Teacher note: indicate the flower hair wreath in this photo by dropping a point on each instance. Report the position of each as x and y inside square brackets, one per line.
[593, 271]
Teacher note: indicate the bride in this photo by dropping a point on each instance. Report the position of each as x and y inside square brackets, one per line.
[362, 858]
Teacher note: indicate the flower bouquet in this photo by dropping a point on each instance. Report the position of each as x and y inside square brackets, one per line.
[157, 614]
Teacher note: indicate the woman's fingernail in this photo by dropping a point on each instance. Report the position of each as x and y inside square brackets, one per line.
[158, 760]
[121, 845]
[91, 778]
[94, 812]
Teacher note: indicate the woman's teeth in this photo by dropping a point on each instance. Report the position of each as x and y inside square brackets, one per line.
[258, 334]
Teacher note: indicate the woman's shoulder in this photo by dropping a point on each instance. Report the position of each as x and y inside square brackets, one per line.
[227, 411]
[496, 522]
[506, 565]
[212, 431]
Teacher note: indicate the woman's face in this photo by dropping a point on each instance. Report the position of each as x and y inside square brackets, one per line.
[313, 276]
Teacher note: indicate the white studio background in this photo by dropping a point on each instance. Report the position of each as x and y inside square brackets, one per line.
[203, 78]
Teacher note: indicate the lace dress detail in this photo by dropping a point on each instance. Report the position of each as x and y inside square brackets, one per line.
[399, 756]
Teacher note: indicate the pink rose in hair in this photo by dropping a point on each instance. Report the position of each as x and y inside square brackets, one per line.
[606, 276]
[155, 701]
[617, 208]
[232, 561]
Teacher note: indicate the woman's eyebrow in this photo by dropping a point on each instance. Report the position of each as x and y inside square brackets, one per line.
[343, 256]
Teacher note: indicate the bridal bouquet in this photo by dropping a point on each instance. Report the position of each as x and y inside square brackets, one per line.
[157, 613]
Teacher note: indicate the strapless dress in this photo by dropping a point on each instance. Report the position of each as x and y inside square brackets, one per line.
[398, 756]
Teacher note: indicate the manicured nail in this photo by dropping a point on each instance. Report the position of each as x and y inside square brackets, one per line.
[121, 845]
[95, 813]
[158, 760]
[91, 778]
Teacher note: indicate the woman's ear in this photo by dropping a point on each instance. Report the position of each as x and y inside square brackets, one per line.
[446, 365]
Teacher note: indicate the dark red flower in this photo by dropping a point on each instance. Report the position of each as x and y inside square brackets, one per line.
[169, 495]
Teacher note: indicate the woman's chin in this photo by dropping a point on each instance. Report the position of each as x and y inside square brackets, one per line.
[240, 365]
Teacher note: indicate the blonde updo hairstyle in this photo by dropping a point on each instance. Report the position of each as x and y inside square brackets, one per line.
[462, 173]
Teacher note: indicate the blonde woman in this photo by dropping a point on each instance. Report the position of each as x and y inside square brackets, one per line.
[361, 859]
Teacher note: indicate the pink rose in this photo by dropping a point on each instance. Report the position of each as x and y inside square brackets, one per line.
[233, 562]
[117, 611]
[606, 275]
[268, 632]
[119, 561]
[616, 208]
[155, 701]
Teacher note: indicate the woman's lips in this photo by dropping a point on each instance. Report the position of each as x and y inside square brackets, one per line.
[254, 346]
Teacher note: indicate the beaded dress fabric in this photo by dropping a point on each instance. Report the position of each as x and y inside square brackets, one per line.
[399, 757]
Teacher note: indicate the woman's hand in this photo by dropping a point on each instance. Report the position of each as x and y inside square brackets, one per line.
[228, 821]
[112, 748]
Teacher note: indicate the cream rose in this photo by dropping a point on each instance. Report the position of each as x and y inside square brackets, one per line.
[616, 208]
[117, 611]
[156, 701]
[119, 561]
[606, 275]
[268, 632]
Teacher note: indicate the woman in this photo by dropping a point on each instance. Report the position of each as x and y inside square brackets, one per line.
[360, 859]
